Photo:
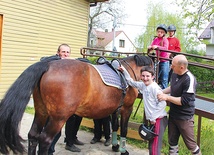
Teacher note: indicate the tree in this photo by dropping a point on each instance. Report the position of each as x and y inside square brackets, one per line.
[157, 15]
[197, 13]
[104, 13]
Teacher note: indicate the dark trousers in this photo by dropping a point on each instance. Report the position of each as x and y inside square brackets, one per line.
[102, 126]
[71, 128]
[184, 128]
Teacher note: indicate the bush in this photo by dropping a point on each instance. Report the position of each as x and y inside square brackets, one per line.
[201, 74]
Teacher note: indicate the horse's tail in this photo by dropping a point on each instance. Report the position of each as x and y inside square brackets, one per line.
[13, 105]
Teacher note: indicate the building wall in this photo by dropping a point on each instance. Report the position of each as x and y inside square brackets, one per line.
[210, 50]
[129, 47]
[34, 28]
[210, 47]
[212, 35]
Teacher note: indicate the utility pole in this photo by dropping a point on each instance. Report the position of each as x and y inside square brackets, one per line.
[114, 26]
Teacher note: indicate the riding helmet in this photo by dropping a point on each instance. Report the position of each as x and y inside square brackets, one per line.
[171, 28]
[163, 27]
[146, 133]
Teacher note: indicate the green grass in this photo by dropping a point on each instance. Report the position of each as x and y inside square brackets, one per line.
[208, 95]
[30, 110]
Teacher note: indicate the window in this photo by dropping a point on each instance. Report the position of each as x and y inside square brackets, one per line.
[122, 43]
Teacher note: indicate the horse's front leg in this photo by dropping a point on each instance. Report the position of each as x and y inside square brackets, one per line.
[115, 127]
[125, 114]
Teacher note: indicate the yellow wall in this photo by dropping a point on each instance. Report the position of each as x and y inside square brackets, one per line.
[35, 28]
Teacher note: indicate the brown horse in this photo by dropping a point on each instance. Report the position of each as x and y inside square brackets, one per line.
[60, 89]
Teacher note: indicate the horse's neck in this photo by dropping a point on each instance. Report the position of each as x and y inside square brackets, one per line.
[130, 69]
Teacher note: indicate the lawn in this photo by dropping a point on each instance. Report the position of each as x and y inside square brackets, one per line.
[208, 95]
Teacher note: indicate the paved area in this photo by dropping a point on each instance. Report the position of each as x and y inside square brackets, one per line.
[86, 149]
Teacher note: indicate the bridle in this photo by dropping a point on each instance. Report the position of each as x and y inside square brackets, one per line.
[130, 68]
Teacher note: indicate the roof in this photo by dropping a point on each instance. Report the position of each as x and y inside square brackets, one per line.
[206, 34]
[104, 38]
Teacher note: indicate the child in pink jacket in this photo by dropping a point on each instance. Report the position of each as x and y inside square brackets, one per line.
[162, 43]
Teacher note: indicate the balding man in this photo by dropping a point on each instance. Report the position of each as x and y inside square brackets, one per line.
[182, 106]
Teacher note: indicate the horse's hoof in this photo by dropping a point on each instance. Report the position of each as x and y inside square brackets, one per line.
[115, 148]
[126, 153]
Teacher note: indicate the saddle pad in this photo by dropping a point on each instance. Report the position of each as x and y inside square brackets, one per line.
[109, 77]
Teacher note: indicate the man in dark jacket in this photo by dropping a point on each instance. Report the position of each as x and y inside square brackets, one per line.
[74, 121]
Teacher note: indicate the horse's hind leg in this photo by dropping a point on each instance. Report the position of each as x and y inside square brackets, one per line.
[52, 128]
[33, 135]
[38, 124]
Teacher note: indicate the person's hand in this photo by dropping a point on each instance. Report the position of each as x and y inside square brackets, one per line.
[120, 69]
[154, 47]
[162, 97]
[149, 47]
[152, 122]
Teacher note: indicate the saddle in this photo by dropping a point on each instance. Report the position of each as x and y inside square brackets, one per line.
[114, 64]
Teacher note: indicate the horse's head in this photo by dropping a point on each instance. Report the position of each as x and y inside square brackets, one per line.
[134, 64]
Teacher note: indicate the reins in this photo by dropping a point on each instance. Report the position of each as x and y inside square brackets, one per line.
[130, 68]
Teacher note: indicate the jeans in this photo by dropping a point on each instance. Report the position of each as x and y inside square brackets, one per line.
[163, 74]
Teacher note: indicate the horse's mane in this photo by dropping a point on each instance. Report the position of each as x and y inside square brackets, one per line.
[140, 60]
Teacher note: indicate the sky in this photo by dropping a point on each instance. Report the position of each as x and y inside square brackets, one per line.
[136, 21]
[136, 18]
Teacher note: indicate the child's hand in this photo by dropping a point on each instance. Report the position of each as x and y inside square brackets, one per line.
[154, 47]
[120, 69]
[149, 47]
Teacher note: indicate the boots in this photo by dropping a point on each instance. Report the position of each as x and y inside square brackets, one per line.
[173, 150]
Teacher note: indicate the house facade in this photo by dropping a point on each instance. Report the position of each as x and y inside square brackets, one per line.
[109, 41]
[207, 37]
[31, 29]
